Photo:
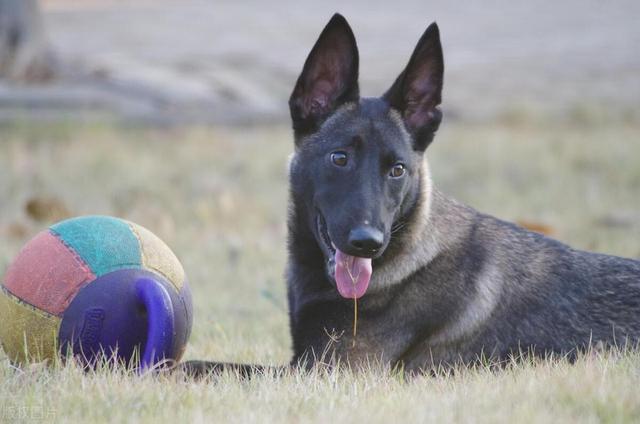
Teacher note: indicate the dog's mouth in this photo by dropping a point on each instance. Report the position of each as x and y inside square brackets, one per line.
[351, 274]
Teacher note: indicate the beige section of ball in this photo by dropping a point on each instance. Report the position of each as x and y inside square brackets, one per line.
[27, 334]
[157, 256]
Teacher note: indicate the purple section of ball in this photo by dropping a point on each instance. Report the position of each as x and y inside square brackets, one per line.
[112, 314]
[157, 302]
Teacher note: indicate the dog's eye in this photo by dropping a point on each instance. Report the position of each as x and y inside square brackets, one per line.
[339, 158]
[397, 171]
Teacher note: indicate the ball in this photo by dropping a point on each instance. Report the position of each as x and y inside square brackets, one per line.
[95, 286]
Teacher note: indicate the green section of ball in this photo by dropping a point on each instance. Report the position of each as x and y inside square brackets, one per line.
[104, 243]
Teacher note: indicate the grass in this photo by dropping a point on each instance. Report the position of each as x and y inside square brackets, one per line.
[596, 389]
[218, 197]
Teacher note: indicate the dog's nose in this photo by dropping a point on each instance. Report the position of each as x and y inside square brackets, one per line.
[366, 239]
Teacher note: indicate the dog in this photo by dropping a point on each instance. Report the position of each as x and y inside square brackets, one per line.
[437, 283]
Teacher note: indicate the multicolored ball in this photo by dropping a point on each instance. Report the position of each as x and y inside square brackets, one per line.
[94, 286]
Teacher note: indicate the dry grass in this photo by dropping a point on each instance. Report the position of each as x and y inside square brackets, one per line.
[218, 198]
[596, 389]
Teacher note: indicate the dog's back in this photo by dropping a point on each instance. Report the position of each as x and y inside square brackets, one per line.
[517, 291]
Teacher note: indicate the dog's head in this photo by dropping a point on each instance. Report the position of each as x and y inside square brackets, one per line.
[358, 161]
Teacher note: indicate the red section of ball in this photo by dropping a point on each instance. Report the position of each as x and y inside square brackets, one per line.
[47, 274]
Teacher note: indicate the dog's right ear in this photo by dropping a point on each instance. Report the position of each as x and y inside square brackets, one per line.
[329, 78]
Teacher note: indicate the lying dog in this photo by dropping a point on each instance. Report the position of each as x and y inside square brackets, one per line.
[436, 282]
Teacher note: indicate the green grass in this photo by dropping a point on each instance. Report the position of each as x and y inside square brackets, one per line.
[218, 198]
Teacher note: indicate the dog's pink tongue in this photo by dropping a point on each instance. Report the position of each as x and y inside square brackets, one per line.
[352, 275]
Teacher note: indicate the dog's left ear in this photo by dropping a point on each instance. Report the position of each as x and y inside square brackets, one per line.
[417, 91]
[329, 78]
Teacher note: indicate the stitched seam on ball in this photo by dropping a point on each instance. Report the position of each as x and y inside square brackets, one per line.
[83, 264]
[28, 305]
[75, 255]
[143, 259]
[140, 248]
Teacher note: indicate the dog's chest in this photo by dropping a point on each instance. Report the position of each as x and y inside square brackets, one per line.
[379, 337]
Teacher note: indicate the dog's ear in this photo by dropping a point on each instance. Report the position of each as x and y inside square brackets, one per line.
[417, 91]
[329, 77]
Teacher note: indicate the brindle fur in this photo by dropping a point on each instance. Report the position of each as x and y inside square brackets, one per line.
[451, 285]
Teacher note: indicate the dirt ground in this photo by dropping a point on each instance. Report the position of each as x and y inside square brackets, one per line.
[235, 62]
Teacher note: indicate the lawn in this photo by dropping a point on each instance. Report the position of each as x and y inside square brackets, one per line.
[218, 197]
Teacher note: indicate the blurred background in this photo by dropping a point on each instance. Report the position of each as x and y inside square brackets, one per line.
[189, 61]
[174, 114]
